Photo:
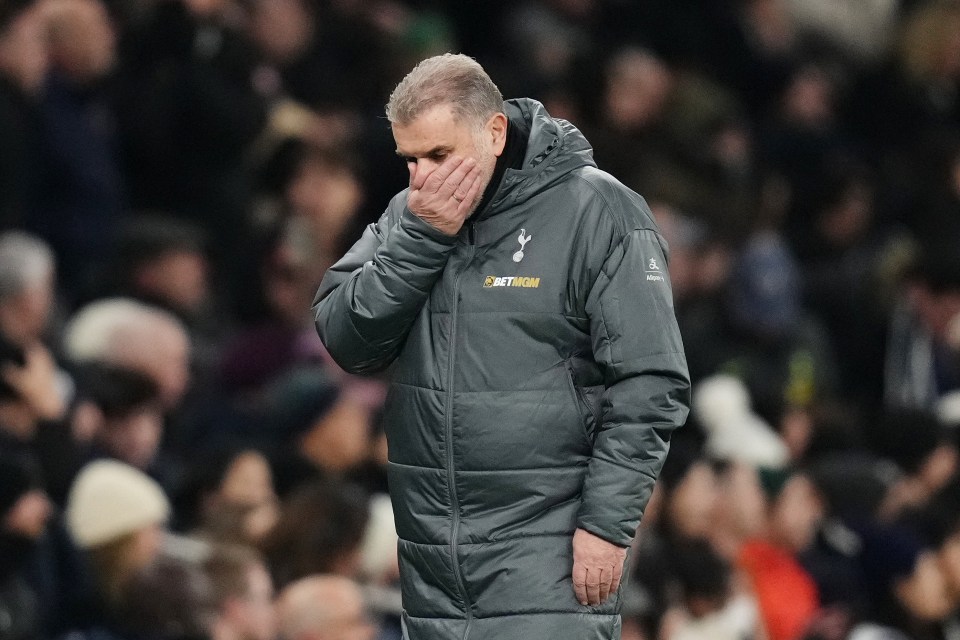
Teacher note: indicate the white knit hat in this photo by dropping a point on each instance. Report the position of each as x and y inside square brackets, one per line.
[109, 500]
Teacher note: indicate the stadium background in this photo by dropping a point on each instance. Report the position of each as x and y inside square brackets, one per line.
[192, 167]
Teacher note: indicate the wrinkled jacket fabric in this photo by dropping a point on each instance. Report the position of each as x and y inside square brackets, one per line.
[532, 393]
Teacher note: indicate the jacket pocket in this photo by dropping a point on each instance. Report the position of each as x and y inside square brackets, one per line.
[588, 417]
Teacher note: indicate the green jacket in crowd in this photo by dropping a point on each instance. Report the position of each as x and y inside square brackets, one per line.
[538, 374]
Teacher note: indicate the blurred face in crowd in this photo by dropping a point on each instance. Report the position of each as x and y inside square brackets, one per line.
[82, 39]
[638, 87]
[252, 615]
[324, 607]
[692, 505]
[135, 438]
[950, 564]
[29, 515]
[283, 29]
[440, 133]
[924, 592]
[327, 196]
[24, 317]
[742, 502]
[340, 439]
[161, 351]
[796, 514]
[176, 278]
[937, 309]
[23, 51]
[248, 485]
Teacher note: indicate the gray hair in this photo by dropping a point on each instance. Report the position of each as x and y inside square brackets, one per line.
[26, 261]
[451, 78]
[106, 330]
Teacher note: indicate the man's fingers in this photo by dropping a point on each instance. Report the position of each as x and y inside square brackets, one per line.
[580, 583]
[439, 175]
[456, 178]
[471, 194]
[617, 575]
[605, 576]
[593, 587]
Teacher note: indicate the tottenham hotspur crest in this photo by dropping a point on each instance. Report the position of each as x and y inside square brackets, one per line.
[518, 256]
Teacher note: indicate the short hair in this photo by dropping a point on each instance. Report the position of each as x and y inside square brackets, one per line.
[25, 261]
[453, 79]
[117, 391]
[228, 568]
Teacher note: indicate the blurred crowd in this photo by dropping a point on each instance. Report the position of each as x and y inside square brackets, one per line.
[179, 458]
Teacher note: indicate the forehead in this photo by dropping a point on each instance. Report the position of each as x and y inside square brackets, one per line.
[437, 127]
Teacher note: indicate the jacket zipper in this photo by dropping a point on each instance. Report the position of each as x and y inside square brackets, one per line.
[451, 480]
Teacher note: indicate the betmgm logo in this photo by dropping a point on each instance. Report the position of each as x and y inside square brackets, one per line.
[511, 281]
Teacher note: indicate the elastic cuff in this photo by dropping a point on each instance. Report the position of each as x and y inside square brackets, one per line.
[413, 223]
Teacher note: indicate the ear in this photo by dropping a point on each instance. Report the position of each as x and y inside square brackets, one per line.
[497, 129]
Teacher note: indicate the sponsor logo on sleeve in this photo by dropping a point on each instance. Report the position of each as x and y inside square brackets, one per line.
[653, 271]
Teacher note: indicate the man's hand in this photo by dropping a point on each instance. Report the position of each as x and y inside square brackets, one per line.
[444, 197]
[597, 567]
[36, 382]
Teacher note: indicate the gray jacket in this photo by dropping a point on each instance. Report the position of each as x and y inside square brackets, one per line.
[535, 387]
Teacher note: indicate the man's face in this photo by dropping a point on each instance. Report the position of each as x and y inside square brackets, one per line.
[439, 133]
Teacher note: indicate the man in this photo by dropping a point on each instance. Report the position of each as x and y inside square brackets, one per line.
[243, 592]
[23, 67]
[27, 287]
[125, 333]
[324, 607]
[522, 296]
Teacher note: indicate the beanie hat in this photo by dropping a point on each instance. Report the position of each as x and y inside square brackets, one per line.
[293, 403]
[109, 500]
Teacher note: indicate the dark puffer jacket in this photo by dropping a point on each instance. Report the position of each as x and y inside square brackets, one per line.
[534, 392]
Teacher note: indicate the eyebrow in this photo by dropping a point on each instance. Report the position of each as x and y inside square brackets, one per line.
[432, 152]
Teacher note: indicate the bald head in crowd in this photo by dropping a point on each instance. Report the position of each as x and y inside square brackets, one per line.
[323, 608]
[126, 333]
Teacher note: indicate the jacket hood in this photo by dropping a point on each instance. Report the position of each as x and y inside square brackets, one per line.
[554, 149]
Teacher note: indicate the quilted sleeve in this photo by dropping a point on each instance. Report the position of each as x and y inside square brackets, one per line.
[637, 344]
[368, 301]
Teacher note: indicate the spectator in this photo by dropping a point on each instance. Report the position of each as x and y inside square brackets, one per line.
[23, 67]
[170, 599]
[24, 511]
[319, 531]
[324, 607]
[243, 593]
[922, 364]
[124, 408]
[117, 515]
[80, 196]
[282, 336]
[909, 590]
[316, 430]
[126, 333]
[786, 593]
[27, 288]
[232, 498]
[30, 393]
